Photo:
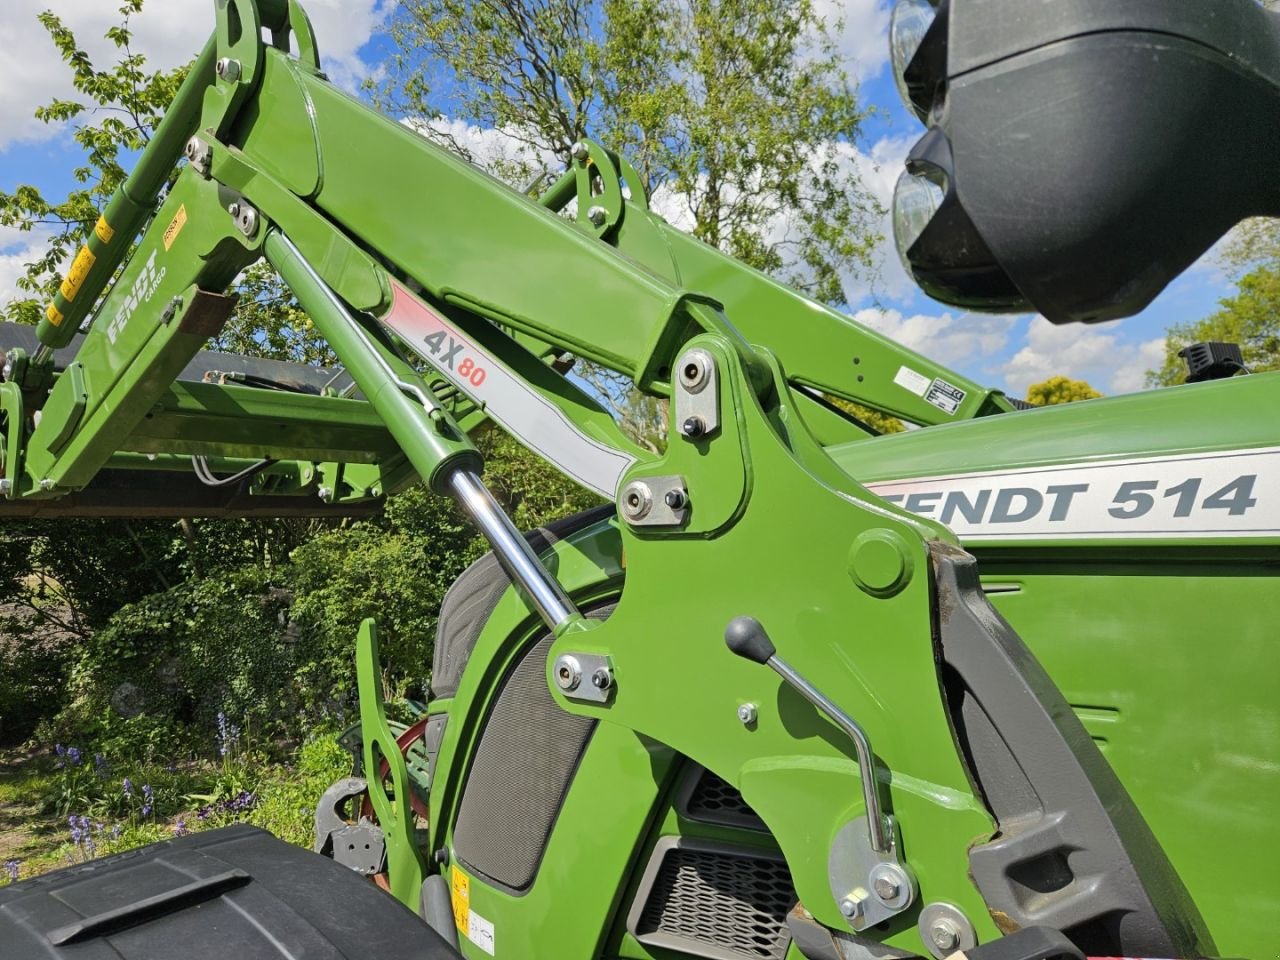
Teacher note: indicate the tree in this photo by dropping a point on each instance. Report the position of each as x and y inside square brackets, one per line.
[737, 111]
[1250, 318]
[128, 102]
[1060, 390]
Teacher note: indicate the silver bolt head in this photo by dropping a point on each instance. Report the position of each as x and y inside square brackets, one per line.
[602, 679]
[850, 908]
[228, 69]
[568, 672]
[945, 934]
[46, 484]
[597, 216]
[5, 487]
[636, 500]
[747, 713]
[7, 370]
[579, 151]
[695, 370]
[325, 494]
[886, 887]
[233, 208]
[193, 145]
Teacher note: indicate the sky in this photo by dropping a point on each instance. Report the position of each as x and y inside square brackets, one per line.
[1000, 351]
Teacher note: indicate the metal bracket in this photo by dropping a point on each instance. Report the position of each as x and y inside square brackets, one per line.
[200, 155]
[945, 929]
[654, 502]
[697, 395]
[358, 846]
[869, 886]
[584, 676]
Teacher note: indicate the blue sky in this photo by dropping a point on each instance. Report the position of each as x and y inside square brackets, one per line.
[1007, 352]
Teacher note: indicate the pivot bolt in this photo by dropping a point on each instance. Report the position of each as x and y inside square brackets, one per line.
[747, 713]
[325, 493]
[693, 428]
[695, 370]
[579, 151]
[5, 487]
[851, 908]
[233, 208]
[886, 887]
[636, 500]
[597, 216]
[945, 934]
[602, 679]
[675, 499]
[47, 484]
[228, 69]
[568, 672]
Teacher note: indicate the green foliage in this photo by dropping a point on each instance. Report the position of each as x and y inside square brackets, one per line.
[206, 646]
[1060, 389]
[289, 798]
[120, 107]
[881, 423]
[33, 669]
[740, 108]
[1250, 318]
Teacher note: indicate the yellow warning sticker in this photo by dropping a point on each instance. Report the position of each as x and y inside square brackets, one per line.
[175, 226]
[103, 230]
[54, 315]
[461, 897]
[74, 279]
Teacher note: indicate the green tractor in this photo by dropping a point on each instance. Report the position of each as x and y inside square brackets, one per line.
[1006, 686]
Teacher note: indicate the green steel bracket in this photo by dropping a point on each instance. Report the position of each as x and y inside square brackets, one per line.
[405, 866]
[598, 188]
[15, 426]
[711, 463]
[794, 560]
[238, 67]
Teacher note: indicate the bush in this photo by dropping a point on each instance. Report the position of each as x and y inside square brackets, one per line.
[34, 662]
[217, 645]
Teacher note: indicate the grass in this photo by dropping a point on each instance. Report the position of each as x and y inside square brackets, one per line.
[54, 813]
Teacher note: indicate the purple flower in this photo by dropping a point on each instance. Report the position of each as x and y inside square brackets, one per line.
[146, 809]
[180, 828]
[77, 833]
[228, 735]
[128, 787]
[73, 756]
[59, 749]
[146, 791]
[116, 830]
[12, 867]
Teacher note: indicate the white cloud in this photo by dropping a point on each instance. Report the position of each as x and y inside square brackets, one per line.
[864, 37]
[1096, 354]
[947, 339]
[489, 147]
[17, 249]
[167, 32]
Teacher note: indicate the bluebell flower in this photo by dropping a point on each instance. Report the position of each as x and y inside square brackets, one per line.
[116, 830]
[180, 828]
[12, 867]
[73, 756]
[128, 787]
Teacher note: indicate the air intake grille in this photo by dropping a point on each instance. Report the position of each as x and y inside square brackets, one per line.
[711, 799]
[710, 900]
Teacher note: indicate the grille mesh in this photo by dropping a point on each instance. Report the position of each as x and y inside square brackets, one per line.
[523, 766]
[720, 903]
[714, 800]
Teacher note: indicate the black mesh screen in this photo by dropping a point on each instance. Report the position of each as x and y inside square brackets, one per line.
[720, 903]
[523, 766]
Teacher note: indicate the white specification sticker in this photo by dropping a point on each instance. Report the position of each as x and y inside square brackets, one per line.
[1234, 493]
[909, 379]
[480, 932]
[944, 396]
[518, 408]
